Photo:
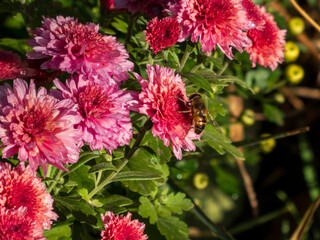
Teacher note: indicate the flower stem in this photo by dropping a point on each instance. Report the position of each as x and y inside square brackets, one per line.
[108, 179]
[49, 170]
[183, 60]
[305, 15]
[258, 221]
[132, 20]
[98, 178]
[224, 67]
[252, 142]
[56, 179]
[125, 160]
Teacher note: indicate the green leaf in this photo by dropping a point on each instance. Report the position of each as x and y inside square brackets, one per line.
[149, 149]
[135, 176]
[95, 203]
[156, 144]
[115, 200]
[216, 61]
[258, 77]
[83, 158]
[198, 80]
[214, 106]
[120, 25]
[223, 80]
[274, 114]
[162, 210]
[220, 142]
[172, 228]
[81, 178]
[74, 204]
[174, 56]
[147, 210]
[176, 203]
[63, 238]
[227, 181]
[140, 38]
[102, 166]
[19, 45]
[140, 162]
[108, 31]
[274, 78]
[165, 171]
[58, 232]
[80, 231]
[236, 80]
[83, 192]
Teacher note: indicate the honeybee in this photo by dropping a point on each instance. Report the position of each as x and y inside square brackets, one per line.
[199, 112]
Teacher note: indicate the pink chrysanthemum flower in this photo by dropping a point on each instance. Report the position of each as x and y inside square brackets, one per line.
[76, 47]
[20, 188]
[161, 99]
[12, 67]
[38, 126]
[213, 22]
[122, 227]
[268, 42]
[162, 34]
[15, 226]
[104, 110]
[254, 16]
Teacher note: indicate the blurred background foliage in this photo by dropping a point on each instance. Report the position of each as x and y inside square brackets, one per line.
[285, 172]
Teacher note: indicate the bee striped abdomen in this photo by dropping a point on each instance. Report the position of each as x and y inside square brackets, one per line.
[200, 124]
[199, 113]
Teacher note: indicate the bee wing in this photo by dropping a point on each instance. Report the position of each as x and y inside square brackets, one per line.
[215, 124]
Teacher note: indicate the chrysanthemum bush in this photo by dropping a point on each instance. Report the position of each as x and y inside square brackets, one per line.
[92, 153]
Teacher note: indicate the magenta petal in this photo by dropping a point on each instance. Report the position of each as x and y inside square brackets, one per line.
[25, 206]
[266, 51]
[122, 227]
[213, 22]
[160, 98]
[9, 151]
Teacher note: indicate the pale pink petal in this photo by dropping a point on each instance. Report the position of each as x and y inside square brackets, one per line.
[75, 47]
[104, 110]
[38, 126]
